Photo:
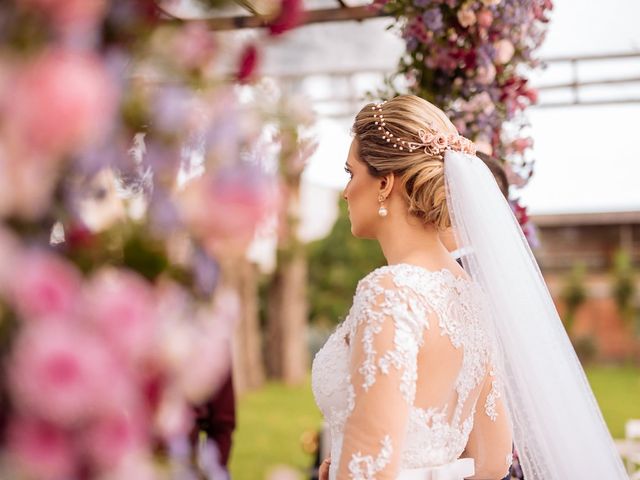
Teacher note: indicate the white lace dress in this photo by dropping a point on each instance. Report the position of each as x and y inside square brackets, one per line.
[406, 382]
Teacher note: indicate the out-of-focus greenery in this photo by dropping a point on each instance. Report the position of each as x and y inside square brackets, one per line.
[274, 427]
[336, 263]
[574, 293]
[623, 288]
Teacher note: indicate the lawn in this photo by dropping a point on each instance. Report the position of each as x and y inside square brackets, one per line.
[273, 421]
[271, 427]
[617, 390]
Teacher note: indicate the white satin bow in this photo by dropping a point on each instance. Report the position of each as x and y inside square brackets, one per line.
[457, 470]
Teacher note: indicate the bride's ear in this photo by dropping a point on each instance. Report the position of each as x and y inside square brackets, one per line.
[385, 185]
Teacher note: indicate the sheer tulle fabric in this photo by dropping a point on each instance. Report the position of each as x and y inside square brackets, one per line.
[559, 431]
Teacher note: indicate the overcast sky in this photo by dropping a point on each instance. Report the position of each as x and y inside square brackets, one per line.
[588, 158]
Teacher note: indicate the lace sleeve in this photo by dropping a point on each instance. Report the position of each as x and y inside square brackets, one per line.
[490, 440]
[385, 337]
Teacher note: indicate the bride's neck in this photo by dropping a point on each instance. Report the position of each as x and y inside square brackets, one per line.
[409, 241]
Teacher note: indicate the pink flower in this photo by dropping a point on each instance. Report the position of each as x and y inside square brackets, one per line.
[225, 208]
[486, 74]
[40, 449]
[194, 46]
[485, 18]
[532, 95]
[521, 144]
[9, 248]
[25, 186]
[290, 16]
[79, 97]
[122, 306]
[466, 17]
[62, 374]
[44, 285]
[248, 63]
[113, 437]
[68, 14]
[174, 417]
[440, 141]
[504, 51]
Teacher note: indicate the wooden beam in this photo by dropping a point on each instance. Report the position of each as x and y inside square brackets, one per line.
[310, 16]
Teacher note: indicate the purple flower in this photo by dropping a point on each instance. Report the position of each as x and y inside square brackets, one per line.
[432, 19]
[412, 44]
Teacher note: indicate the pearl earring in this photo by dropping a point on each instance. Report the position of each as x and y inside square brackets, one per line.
[382, 211]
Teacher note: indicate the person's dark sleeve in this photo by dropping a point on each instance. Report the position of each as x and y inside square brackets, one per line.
[217, 418]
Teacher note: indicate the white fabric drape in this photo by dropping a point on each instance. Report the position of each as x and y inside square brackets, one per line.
[559, 431]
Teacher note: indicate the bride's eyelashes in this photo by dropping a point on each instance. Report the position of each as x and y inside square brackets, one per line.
[348, 172]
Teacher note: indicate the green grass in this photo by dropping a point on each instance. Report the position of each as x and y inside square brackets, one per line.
[617, 390]
[272, 421]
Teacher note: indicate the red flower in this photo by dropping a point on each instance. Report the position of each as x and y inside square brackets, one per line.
[248, 63]
[78, 236]
[291, 15]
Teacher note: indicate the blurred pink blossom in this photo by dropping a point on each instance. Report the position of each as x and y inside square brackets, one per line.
[79, 96]
[122, 307]
[248, 63]
[504, 51]
[25, 187]
[485, 18]
[112, 437]
[68, 14]
[194, 46]
[521, 144]
[224, 209]
[134, 467]
[9, 248]
[40, 449]
[61, 373]
[44, 285]
[174, 417]
[209, 359]
[206, 365]
[291, 15]
[485, 74]
[466, 17]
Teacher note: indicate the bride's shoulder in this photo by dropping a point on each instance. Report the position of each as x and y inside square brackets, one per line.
[402, 276]
[387, 277]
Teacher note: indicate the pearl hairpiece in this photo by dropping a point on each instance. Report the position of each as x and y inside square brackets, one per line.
[431, 140]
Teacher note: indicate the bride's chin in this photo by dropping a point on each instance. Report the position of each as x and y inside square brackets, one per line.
[360, 233]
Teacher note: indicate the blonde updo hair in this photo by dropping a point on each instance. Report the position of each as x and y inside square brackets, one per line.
[421, 174]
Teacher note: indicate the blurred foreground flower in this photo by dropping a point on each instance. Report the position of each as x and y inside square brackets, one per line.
[80, 100]
[114, 323]
[225, 208]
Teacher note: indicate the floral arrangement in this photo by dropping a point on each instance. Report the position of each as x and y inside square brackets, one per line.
[132, 175]
[470, 58]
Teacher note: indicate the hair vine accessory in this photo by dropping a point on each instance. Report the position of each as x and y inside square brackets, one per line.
[431, 140]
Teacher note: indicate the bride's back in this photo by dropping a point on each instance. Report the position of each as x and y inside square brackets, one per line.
[403, 380]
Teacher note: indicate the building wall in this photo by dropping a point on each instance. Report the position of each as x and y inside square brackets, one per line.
[593, 241]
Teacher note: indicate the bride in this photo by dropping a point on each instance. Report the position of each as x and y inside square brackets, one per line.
[438, 371]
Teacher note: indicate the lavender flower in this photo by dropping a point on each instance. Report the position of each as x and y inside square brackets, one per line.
[432, 19]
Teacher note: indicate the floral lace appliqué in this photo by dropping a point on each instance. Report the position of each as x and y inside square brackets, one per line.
[365, 467]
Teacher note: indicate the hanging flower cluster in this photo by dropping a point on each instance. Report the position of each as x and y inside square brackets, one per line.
[470, 58]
